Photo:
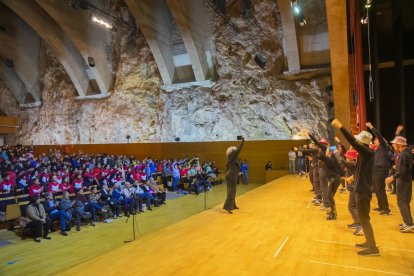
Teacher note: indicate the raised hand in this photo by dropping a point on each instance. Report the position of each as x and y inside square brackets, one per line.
[369, 125]
[399, 129]
[336, 123]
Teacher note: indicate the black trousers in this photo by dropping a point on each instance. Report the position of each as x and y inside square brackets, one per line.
[38, 228]
[378, 183]
[363, 206]
[404, 194]
[333, 184]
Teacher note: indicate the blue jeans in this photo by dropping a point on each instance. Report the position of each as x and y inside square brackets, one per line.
[63, 216]
[175, 183]
[245, 177]
[129, 204]
[146, 196]
[301, 165]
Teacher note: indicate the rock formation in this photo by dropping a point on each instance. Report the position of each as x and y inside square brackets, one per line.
[245, 99]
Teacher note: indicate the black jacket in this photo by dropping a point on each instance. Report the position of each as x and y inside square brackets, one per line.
[364, 166]
[404, 166]
[381, 159]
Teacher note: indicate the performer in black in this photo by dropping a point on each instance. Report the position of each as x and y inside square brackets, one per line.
[233, 168]
[363, 184]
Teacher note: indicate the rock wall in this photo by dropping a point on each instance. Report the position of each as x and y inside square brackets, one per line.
[245, 100]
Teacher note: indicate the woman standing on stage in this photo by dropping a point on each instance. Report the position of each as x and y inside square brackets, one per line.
[232, 173]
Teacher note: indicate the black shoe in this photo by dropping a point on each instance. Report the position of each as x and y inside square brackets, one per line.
[37, 239]
[64, 233]
[47, 237]
[77, 228]
[229, 211]
[236, 207]
[385, 213]
[377, 209]
[369, 252]
[149, 208]
[362, 245]
[353, 225]
[331, 217]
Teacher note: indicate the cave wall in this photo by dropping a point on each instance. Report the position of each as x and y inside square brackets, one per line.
[257, 103]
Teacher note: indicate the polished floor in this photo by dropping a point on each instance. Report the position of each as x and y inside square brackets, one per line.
[276, 232]
[50, 257]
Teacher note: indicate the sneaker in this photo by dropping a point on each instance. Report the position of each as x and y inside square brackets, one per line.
[47, 237]
[369, 252]
[358, 230]
[377, 209]
[385, 213]
[64, 233]
[317, 203]
[406, 228]
[362, 245]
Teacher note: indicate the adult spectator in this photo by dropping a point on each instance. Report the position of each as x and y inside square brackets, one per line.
[244, 170]
[39, 223]
[292, 160]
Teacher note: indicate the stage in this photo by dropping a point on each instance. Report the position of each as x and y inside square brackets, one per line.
[277, 231]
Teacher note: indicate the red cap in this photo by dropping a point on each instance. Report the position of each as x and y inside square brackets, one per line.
[353, 154]
[323, 141]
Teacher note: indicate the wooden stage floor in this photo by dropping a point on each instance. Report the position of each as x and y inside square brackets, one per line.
[276, 232]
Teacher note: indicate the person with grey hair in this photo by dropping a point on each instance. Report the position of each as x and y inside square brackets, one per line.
[232, 172]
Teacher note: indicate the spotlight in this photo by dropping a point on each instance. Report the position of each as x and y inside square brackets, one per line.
[296, 9]
[101, 21]
[177, 139]
[368, 4]
[295, 6]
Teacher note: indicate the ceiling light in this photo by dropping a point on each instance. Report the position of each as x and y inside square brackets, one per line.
[101, 21]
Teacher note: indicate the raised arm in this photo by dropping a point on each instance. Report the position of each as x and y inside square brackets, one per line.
[234, 155]
[320, 145]
[377, 134]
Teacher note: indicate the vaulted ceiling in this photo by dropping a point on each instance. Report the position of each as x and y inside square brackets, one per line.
[177, 32]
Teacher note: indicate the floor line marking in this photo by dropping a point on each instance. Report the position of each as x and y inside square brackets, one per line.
[389, 248]
[309, 204]
[360, 268]
[280, 247]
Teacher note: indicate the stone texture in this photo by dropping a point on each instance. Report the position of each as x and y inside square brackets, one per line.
[259, 104]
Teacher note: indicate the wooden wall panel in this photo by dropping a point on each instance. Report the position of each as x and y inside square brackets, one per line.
[257, 153]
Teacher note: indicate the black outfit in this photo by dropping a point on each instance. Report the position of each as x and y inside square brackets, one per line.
[333, 174]
[323, 180]
[363, 184]
[381, 170]
[233, 168]
[404, 178]
[350, 171]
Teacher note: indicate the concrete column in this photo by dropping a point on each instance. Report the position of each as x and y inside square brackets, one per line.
[56, 38]
[13, 82]
[89, 38]
[290, 41]
[22, 45]
[152, 17]
[337, 26]
[192, 23]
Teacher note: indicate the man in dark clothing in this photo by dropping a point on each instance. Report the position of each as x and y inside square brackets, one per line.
[403, 176]
[363, 183]
[381, 170]
[323, 180]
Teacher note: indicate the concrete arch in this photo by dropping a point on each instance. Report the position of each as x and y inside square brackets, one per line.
[90, 39]
[56, 38]
[13, 82]
[21, 45]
